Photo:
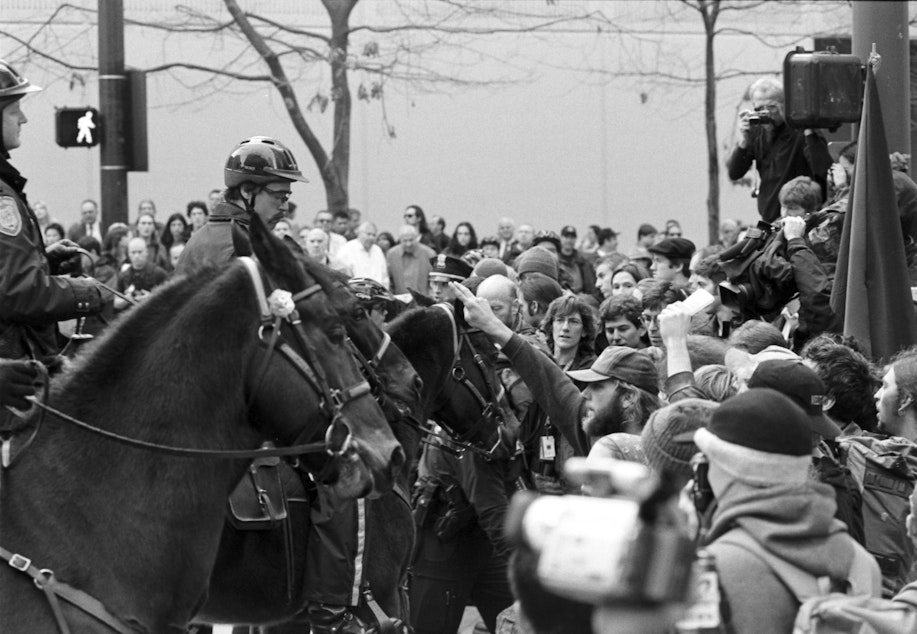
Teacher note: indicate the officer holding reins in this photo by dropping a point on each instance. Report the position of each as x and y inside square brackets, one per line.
[34, 297]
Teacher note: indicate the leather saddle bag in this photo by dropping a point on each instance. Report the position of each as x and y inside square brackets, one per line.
[259, 501]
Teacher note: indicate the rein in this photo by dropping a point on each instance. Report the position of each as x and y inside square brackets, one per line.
[333, 402]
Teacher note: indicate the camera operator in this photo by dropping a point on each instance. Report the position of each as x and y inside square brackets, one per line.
[799, 199]
[780, 153]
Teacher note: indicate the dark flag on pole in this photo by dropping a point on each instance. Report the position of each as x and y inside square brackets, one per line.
[871, 291]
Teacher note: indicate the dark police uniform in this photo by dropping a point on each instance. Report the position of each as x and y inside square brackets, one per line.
[461, 555]
[33, 300]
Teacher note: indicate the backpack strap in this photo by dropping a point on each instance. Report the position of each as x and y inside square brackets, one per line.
[801, 583]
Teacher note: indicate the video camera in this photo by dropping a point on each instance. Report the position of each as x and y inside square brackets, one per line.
[623, 544]
[759, 278]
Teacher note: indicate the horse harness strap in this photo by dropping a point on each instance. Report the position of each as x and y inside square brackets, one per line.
[46, 582]
[489, 408]
[333, 400]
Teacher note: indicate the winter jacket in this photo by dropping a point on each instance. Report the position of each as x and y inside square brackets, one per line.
[794, 523]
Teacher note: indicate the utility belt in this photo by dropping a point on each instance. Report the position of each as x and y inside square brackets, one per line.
[439, 503]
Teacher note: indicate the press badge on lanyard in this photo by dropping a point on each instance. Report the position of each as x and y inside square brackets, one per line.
[547, 451]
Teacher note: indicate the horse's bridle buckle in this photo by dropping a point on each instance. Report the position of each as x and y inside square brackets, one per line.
[20, 563]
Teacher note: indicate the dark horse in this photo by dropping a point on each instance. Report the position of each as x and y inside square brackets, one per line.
[457, 373]
[129, 533]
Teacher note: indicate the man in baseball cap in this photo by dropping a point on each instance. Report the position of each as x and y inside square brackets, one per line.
[620, 393]
[802, 385]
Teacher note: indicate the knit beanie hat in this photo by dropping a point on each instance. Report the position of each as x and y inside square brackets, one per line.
[668, 436]
[760, 437]
[490, 266]
[537, 260]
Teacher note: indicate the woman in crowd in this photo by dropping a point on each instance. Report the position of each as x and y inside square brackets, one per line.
[114, 253]
[53, 233]
[463, 239]
[626, 277]
[570, 326]
[40, 209]
[609, 268]
[146, 229]
[385, 241]
[177, 231]
[197, 212]
[283, 228]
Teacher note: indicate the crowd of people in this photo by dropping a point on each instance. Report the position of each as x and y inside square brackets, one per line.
[605, 351]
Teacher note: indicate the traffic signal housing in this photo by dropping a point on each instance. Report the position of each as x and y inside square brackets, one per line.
[77, 127]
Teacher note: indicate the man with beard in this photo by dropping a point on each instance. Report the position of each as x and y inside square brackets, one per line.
[621, 389]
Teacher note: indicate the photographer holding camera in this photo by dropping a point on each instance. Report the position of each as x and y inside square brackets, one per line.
[779, 152]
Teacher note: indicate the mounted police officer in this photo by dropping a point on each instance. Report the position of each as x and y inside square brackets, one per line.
[33, 298]
[374, 298]
[258, 176]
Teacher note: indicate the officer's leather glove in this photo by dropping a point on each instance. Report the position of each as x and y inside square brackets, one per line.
[17, 381]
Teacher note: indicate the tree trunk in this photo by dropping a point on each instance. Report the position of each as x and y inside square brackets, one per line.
[339, 12]
[710, 11]
[334, 170]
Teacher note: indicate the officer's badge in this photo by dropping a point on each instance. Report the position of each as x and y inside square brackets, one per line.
[10, 220]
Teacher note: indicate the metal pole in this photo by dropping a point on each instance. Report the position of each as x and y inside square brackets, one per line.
[113, 106]
[885, 24]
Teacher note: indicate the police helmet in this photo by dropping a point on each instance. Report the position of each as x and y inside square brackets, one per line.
[261, 160]
[369, 291]
[13, 85]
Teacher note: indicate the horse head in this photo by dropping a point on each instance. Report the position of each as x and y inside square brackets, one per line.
[363, 454]
[458, 364]
[395, 382]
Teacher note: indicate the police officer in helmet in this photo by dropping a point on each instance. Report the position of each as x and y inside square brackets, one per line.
[373, 297]
[258, 175]
[33, 297]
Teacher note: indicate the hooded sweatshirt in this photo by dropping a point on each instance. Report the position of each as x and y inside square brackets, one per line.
[794, 522]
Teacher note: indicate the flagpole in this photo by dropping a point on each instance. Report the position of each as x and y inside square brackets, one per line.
[885, 25]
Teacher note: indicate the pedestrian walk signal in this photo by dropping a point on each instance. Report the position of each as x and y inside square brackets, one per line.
[78, 127]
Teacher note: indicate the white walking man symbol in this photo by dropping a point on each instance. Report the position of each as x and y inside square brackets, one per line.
[86, 126]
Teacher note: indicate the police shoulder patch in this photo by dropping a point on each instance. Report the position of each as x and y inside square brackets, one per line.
[10, 218]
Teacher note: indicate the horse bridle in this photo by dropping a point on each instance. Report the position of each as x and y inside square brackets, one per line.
[491, 412]
[333, 401]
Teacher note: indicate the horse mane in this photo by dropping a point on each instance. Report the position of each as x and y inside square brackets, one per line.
[146, 349]
[417, 331]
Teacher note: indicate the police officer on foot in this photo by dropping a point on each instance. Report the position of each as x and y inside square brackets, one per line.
[34, 298]
[258, 176]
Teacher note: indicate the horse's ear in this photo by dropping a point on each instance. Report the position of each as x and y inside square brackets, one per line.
[420, 299]
[459, 309]
[272, 253]
[241, 245]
